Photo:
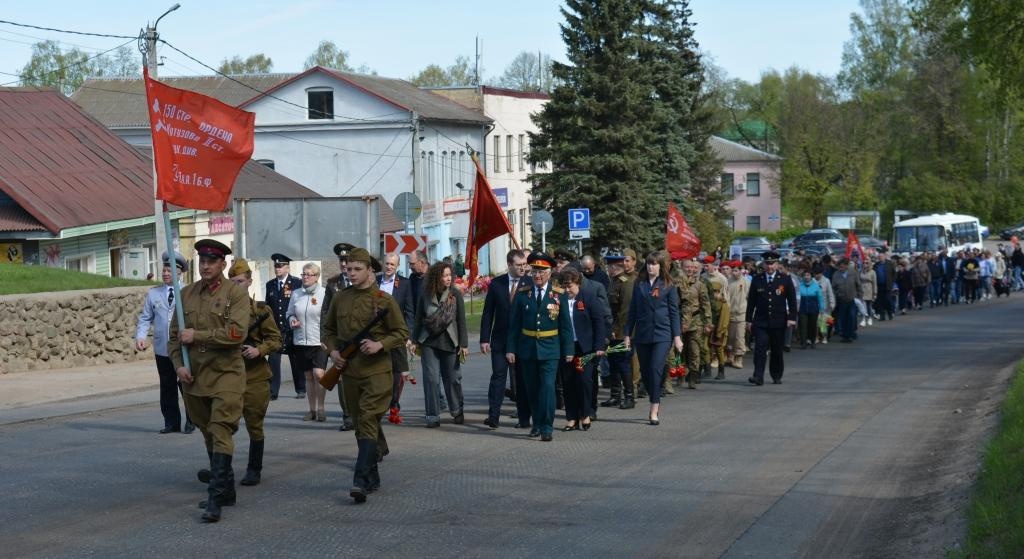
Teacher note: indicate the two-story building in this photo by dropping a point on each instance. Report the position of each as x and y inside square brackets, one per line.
[338, 133]
[750, 181]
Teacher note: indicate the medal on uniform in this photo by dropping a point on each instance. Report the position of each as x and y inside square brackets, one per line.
[780, 290]
[314, 301]
[553, 311]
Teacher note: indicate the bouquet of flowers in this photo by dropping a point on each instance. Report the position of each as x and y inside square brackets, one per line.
[676, 367]
[584, 360]
[395, 416]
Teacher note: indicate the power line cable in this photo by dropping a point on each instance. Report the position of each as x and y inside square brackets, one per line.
[15, 33]
[375, 161]
[134, 37]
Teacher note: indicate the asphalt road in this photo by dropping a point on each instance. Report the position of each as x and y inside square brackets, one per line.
[866, 450]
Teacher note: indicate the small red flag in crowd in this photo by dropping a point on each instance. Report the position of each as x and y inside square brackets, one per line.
[487, 221]
[199, 146]
[680, 240]
[853, 242]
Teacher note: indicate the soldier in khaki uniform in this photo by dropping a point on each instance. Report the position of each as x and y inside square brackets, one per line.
[696, 317]
[736, 295]
[262, 339]
[367, 372]
[629, 263]
[217, 316]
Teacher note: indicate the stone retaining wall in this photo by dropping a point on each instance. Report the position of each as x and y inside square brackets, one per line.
[69, 328]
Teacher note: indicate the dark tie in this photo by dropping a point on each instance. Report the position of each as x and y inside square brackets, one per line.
[280, 286]
[540, 293]
[170, 297]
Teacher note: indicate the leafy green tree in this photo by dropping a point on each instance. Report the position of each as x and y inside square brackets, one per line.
[458, 74]
[65, 70]
[328, 55]
[528, 71]
[254, 64]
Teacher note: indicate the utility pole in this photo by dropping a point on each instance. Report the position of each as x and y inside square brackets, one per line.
[416, 171]
[150, 60]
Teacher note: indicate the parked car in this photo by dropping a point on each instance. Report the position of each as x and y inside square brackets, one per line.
[1010, 232]
[869, 241]
[753, 246]
[818, 236]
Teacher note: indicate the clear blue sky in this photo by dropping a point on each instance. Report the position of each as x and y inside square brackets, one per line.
[397, 38]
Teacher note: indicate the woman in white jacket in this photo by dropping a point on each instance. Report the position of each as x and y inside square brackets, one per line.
[304, 310]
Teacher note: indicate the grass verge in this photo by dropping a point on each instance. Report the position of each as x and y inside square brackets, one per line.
[19, 278]
[995, 521]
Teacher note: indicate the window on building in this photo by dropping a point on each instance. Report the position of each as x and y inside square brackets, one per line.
[753, 184]
[753, 223]
[446, 188]
[497, 150]
[522, 225]
[79, 263]
[321, 104]
[727, 185]
[730, 222]
[508, 153]
[522, 150]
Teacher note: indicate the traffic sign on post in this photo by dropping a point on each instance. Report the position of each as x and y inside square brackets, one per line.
[403, 243]
[407, 207]
[579, 219]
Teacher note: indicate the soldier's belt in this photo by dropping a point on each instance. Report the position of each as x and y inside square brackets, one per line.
[540, 333]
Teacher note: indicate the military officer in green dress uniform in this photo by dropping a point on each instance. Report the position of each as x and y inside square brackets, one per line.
[217, 316]
[366, 374]
[539, 334]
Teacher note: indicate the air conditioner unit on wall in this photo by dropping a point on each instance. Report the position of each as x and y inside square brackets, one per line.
[741, 186]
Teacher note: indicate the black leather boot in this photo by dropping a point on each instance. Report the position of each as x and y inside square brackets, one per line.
[203, 475]
[222, 487]
[255, 467]
[361, 476]
[721, 371]
[627, 397]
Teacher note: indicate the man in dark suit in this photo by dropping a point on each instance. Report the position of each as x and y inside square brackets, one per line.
[278, 293]
[493, 331]
[400, 289]
[771, 309]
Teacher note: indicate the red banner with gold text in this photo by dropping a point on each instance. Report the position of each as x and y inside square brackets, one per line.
[199, 146]
[680, 240]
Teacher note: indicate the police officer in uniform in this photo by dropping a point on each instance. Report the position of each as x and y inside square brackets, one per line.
[278, 293]
[217, 316]
[367, 374]
[539, 334]
[771, 309]
[334, 286]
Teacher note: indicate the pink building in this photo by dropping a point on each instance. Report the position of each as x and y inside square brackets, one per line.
[750, 178]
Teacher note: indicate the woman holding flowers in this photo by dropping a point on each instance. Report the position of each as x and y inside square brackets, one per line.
[653, 325]
[590, 340]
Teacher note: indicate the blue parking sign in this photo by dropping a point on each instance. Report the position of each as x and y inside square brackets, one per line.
[579, 218]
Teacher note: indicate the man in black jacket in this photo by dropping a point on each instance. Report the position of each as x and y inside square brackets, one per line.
[278, 294]
[771, 309]
[494, 331]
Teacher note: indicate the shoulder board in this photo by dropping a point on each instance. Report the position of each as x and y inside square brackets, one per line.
[557, 289]
[525, 289]
[623, 278]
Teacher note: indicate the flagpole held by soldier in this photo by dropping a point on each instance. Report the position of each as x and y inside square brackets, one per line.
[217, 316]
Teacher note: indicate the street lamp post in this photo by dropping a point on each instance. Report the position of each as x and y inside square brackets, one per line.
[148, 49]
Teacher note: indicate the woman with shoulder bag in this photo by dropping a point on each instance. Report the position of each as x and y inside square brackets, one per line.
[439, 331]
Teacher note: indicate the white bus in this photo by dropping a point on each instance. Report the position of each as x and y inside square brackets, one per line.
[937, 231]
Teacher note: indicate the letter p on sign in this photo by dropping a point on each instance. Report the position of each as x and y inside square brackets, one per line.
[579, 218]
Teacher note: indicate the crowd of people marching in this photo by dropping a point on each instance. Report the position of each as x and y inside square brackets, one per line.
[556, 329]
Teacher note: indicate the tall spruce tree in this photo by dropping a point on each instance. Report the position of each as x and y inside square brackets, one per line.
[616, 130]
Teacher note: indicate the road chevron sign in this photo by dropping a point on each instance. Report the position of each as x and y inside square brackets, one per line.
[404, 243]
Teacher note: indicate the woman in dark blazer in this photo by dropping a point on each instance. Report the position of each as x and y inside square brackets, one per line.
[590, 336]
[652, 325]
